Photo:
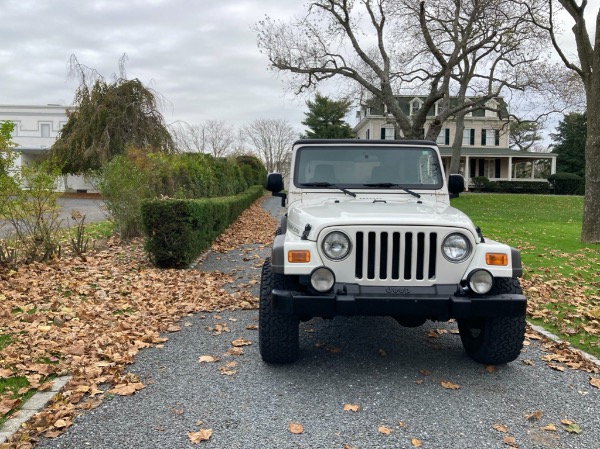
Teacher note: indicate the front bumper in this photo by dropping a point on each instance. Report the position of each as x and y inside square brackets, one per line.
[441, 302]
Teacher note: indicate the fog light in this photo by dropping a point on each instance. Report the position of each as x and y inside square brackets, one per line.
[322, 279]
[480, 281]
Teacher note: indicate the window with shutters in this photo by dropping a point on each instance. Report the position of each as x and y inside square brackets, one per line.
[443, 137]
[468, 136]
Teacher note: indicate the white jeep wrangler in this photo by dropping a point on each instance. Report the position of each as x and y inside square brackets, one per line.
[369, 231]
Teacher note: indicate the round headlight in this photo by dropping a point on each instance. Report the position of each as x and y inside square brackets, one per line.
[322, 279]
[480, 281]
[456, 247]
[336, 245]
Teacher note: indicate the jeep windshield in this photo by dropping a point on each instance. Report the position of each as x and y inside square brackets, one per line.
[368, 167]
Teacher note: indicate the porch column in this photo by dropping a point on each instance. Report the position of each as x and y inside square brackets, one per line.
[553, 169]
[510, 168]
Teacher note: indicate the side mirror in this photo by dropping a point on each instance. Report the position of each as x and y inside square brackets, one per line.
[456, 184]
[274, 182]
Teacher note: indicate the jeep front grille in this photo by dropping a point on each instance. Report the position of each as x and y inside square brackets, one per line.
[395, 255]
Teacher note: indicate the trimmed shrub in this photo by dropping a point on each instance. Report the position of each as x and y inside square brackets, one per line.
[567, 183]
[481, 183]
[127, 180]
[178, 230]
[537, 187]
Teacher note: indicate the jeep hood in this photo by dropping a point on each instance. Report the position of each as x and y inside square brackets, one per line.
[371, 213]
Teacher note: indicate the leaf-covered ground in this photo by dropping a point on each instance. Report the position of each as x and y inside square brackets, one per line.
[90, 318]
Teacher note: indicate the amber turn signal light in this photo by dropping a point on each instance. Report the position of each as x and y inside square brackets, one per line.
[299, 256]
[496, 259]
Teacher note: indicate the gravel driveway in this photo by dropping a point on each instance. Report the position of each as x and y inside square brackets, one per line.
[393, 374]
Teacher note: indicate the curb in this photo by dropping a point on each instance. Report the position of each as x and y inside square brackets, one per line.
[34, 405]
[554, 338]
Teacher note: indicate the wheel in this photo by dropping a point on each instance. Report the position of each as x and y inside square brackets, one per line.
[277, 332]
[496, 340]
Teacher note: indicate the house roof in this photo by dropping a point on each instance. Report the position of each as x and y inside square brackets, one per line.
[496, 152]
[404, 101]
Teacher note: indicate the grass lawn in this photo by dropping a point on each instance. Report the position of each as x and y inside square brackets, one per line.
[562, 275]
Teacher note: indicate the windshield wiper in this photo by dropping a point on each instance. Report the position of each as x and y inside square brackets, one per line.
[390, 184]
[327, 184]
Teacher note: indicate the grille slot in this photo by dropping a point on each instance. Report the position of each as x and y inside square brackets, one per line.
[395, 255]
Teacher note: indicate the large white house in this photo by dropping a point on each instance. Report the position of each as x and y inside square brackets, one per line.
[36, 129]
[485, 148]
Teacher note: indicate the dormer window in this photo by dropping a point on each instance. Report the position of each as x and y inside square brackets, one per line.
[415, 106]
[492, 104]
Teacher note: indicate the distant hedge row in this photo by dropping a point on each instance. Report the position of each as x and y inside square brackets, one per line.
[128, 180]
[558, 184]
[178, 230]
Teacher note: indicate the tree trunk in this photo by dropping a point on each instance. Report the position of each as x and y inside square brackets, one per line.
[590, 229]
[457, 144]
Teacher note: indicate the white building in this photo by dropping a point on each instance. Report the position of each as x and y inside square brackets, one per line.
[36, 129]
[485, 148]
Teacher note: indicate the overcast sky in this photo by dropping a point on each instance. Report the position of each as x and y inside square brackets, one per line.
[200, 55]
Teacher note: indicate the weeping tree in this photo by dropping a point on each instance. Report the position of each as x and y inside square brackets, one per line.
[107, 117]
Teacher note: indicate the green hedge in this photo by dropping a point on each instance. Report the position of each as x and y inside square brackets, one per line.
[483, 184]
[178, 230]
[539, 187]
[567, 183]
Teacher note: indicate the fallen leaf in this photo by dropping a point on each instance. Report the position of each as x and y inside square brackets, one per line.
[201, 435]
[549, 428]
[535, 416]
[62, 423]
[382, 353]
[126, 389]
[295, 428]
[500, 428]
[207, 359]
[595, 382]
[490, 368]
[416, 443]
[252, 327]
[384, 430]
[235, 351]
[351, 407]
[241, 342]
[449, 385]
[570, 426]
[509, 440]
[424, 372]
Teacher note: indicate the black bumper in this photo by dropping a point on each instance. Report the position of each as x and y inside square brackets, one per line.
[439, 303]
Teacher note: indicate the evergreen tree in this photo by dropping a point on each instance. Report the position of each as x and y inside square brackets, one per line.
[325, 119]
[570, 144]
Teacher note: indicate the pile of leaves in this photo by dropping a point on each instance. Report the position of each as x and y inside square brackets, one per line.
[90, 318]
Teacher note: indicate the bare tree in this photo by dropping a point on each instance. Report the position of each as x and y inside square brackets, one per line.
[471, 50]
[272, 140]
[587, 66]
[218, 137]
[187, 138]
[214, 137]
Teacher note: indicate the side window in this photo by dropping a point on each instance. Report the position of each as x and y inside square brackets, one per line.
[45, 129]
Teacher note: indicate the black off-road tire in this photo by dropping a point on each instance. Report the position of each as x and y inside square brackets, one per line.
[278, 333]
[497, 340]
